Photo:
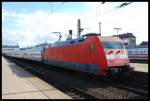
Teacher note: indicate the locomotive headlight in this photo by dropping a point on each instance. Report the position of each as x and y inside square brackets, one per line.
[124, 56]
[110, 56]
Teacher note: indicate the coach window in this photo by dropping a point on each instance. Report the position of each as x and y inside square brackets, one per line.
[130, 51]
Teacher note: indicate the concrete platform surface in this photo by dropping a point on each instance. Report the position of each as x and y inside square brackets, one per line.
[20, 84]
[140, 67]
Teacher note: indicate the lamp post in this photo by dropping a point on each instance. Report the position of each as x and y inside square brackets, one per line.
[100, 28]
[117, 29]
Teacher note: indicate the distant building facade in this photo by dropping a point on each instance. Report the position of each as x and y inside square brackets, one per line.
[128, 39]
[8, 48]
[143, 44]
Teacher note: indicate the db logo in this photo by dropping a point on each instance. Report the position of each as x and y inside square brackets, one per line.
[91, 47]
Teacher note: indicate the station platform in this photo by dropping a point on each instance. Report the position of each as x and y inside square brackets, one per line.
[20, 84]
[140, 67]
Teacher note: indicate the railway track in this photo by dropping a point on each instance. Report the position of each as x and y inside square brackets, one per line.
[134, 88]
[130, 85]
[71, 91]
[75, 93]
[88, 92]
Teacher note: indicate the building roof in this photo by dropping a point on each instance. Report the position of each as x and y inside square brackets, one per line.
[7, 46]
[144, 43]
[35, 47]
[43, 44]
[125, 35]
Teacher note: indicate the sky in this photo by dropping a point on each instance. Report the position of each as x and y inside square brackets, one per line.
[32, 23]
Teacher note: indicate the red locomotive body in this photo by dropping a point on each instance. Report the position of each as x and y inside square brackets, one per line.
[116, 54]
[93, 54]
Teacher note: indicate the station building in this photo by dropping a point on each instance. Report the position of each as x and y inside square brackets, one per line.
[128, 39]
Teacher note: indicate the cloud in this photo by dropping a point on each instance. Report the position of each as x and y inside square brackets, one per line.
[4, 14]
[36, 27]
[132, 18]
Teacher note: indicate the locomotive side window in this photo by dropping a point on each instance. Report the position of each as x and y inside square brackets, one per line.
[72, 42]
[81, 40]
[112, 45]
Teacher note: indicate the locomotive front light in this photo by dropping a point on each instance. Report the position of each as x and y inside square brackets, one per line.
[124, 56]
[110, 56]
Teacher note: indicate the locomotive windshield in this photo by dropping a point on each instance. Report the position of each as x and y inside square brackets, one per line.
[112, 45]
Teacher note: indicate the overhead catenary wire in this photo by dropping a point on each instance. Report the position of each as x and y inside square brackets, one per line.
[111, 10]
[45, 17]
[123, 5]
[52, 11]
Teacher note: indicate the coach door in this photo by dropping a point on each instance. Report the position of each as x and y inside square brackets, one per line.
[42, 54]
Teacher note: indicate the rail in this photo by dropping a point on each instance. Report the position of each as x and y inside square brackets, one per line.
[90, 93]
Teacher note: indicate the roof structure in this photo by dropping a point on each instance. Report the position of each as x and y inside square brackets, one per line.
[125, 35]
[7, 46]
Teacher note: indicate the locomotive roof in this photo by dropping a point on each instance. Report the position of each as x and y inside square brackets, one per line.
[91, 34]
[79, 40]
[110, 38]
[73, 41]
[67, 42]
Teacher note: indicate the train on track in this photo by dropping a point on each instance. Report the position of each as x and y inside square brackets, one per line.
[138, 53]
[91, 53]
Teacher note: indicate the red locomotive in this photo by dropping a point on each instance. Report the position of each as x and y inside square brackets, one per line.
[91, 53]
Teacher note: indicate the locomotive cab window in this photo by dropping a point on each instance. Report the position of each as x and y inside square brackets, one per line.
[112, 45]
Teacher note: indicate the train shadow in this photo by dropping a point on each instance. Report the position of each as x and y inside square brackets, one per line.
[17, 70]
[78, 78]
